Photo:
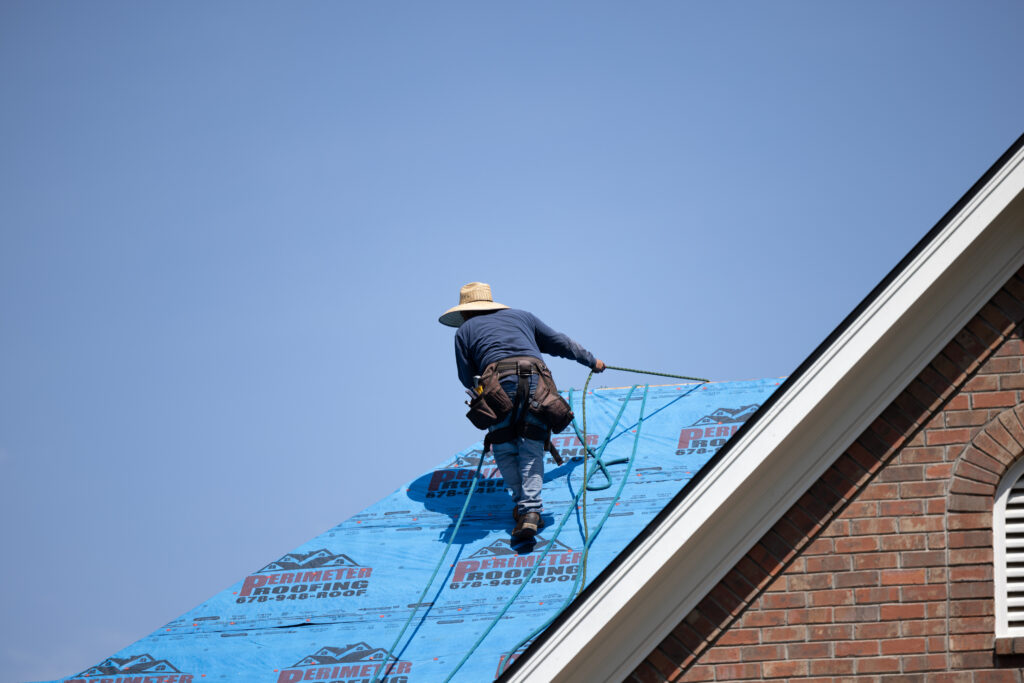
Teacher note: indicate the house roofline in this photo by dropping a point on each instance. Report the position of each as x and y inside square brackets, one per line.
[935, 288]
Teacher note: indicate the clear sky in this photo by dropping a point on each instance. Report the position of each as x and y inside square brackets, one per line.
[227, 230]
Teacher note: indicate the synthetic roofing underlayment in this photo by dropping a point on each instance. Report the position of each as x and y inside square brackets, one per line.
[331, 609]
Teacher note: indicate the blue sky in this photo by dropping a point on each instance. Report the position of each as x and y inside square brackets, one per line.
[227, 230]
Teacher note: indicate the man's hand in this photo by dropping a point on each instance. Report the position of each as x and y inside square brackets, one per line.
[599, 365]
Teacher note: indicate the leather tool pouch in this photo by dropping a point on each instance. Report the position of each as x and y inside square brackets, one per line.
[548, 404]
[493, 405]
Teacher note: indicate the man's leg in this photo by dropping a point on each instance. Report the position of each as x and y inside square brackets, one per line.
[505, 457]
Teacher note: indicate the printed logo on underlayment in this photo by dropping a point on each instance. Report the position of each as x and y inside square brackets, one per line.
[353, 663]
[710, 432]
[134, 669]
[498, 564]
[315, 575]
[456, 478]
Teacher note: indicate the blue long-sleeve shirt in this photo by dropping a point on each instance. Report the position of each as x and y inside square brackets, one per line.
[507, 332]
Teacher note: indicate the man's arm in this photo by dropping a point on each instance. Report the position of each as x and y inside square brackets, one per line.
[557, 344]
[464, 363]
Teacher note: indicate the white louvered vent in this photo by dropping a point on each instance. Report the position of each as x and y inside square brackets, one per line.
[1014, 539]
[1008, 547]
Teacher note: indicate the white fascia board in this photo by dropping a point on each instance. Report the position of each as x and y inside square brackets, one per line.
[793, 443]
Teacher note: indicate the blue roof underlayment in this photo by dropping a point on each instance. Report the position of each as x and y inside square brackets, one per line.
[330, 609]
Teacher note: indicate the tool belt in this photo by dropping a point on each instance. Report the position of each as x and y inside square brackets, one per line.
[493, 404]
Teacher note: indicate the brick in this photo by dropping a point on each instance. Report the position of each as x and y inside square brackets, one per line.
[809, 582]
[827, 563]
[878, 665]
[924, 627]
[938, 470]
[881, 492]
[856, 615]
[996, 676]
[916, 663]
[901, 612]
[913, 525]
[876, 561]
[784, 669]
[984, 460]
[961, 521]
[1011, 382]
[808, 650]
[971, 608]
[760, 653]
[972, 589]
[821, 546]
[739, 587]
[987, 444]
[1001, 366]
[982, 383]
[856, 545]
[941, 437]
[784, 634]
[967, 418]
[820, 598]
[971, 573]
[883, 525]
[925, 558]
[900, 508]
[926, 593]
[971, 641]
[783, 600]
[856, 579]
[970, 487]
[971, 660]
[866, 596]
[721, 655]
[904, 542]
[900, 646]
[814, 615]
[831, 667]
[997, 431]
[922, 489]
[960, 502]
[963, 625]
[923, 454]
[740, 636]
[934, 379]
[970, 470]
[737, 672]
[821, 632]
[760, 619]
[857, 648]
[1009, 419]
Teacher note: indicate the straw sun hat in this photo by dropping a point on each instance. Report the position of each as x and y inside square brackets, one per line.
[475, 296]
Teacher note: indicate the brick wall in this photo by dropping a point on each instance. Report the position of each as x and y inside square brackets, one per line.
[883, 569]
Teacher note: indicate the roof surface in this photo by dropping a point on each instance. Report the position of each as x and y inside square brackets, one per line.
[332, 608]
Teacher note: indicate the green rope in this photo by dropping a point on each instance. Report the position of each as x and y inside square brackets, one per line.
[580, 582]
[540, 560]
[386, 666]
[583, 440]
[659, 374]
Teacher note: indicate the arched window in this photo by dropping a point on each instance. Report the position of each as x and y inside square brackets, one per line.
[1008, 544]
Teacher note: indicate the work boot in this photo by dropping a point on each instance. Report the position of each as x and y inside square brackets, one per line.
[528, 526]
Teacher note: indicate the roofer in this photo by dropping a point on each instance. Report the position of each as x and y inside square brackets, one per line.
[498, 355]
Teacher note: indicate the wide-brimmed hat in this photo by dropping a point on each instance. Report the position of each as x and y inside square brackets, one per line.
[475, 296]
